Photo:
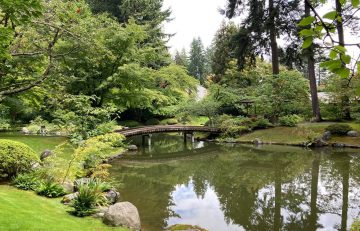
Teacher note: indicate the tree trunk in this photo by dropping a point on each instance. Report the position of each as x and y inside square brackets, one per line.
[314, 193]
[273, 42]
[312, 77]
[340, 29]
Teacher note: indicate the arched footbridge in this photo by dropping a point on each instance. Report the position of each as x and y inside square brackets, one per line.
[146, 131]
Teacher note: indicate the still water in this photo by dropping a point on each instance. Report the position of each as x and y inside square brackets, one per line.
[238, 187]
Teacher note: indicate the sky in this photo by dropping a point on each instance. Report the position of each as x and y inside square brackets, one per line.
[193, 18]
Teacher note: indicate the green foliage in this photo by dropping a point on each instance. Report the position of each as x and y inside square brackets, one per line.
[152, 121]
[90, 196]
[233, 126]
[197, 60]
[15, 157]
[130, 123]
[171, 121]
[355, 226]
[50, 188]
[26, 181]
[261, 123]
[338, 129]
[289, 120]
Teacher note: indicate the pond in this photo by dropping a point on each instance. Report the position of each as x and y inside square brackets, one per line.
[238, 187]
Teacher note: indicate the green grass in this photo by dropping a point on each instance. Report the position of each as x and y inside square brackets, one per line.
[24, 210]
[198, 120]
[300, 134]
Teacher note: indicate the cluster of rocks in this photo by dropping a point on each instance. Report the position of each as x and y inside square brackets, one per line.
[43, 131]
[117, 214]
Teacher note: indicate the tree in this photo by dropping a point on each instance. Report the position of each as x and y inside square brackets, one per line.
[222, 46]
[264, 21]
[197, 60]
[181, 58]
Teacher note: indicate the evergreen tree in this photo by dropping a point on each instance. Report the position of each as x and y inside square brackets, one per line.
[197, 60]
[181, 58]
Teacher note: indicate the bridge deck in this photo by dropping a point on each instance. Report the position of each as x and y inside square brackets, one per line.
[165, 128]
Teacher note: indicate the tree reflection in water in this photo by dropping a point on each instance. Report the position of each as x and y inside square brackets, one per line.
[242, 187]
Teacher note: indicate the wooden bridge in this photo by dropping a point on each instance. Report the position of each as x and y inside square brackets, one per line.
[146, 131]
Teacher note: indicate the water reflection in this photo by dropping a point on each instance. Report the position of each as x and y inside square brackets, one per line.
[242, 187]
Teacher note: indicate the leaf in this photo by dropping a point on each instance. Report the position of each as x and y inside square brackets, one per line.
[333, 54]
[332, 65]
[330, 15]
[355, 3]
[306, 21]
[358, 67]
[307, 42]
[306, 32]
[346, 58]
[340, 49]
[343, 72]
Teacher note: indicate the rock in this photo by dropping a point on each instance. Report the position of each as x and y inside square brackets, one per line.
[101, 212]
[257, 141]
[353, 133]
[24, 130]
[35, 165]
[68, 186]
[319, 142]
[338, 145]
[58, 133]
[182, 227]
[123, 214]
[68, 198]
[112, 196]
[132, 147]
[326, 136]
[45, 154]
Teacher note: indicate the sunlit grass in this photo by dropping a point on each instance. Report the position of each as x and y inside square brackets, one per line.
[24, 210]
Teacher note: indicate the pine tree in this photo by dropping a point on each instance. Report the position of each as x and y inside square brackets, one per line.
[197, 60]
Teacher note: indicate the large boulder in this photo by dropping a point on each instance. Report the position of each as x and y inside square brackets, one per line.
[123, 214]
[68, 186]
[319, 142]
[68, 198]
[45, 154]
[353, 133]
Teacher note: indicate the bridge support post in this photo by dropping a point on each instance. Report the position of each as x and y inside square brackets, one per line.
[192, 137]
[148, 136]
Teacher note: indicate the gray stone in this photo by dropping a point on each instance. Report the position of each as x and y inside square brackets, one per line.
[101, 212]
[326, 136]
[68, 186]
[45, 154]
[257, 141]
[68, 198]
[318, 142]
[35, 166]
[123, 214]
[24, 130]
[353, 133]
[112, 196]
[132, 147]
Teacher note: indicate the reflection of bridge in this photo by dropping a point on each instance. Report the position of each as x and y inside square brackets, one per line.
[148, 130]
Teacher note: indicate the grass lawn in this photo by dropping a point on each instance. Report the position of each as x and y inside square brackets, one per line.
[23, 210]
[299, 134]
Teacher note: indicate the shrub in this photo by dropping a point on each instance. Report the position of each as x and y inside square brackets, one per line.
[130, 123]
[338, 129]
[289, 120]
[26, 181]
[261, 123]
[15, 157]
[90, 196]
[50, 188]
[152, 122]
[171, 121]
[233, 126]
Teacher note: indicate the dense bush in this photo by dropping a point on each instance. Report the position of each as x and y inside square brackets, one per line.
[26, 181]
[152, 122]
[338, 129]
[289, 120]
[15, 157]
[233, 126]
[90, 196]
[50, 188]
[355, 226]
[261, 123]
[171, 121]
[130, 123]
